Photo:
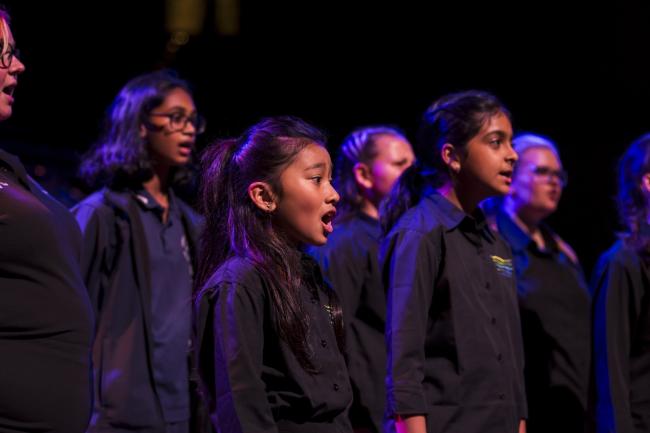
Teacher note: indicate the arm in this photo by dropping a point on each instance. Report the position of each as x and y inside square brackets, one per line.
[411, 424]
[95, 232]
[240, 396]
[409, 264]
[612, 321]
[522, 426]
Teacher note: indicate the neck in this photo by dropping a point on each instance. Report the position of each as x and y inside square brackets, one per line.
[524, 220]
[518, 213]
[158, 186]
[463, 200]
[370, 209]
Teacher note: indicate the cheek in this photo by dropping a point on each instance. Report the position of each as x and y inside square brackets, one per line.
[384, 176]
[523, 190]
[300, 208]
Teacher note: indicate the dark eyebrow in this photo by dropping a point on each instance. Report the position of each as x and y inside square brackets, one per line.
[498, 132]
[180, 108]
[314, 166]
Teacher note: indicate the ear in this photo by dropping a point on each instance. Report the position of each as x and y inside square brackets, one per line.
[450, 157]
[143, 131]
[362, 175]
[262, 196]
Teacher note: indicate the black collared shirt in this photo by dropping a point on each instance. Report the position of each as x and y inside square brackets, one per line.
[254, 381]
[46, 321]
[555, 310]
[171, 303]
[455, 352]
[349, 263]
[621, 293]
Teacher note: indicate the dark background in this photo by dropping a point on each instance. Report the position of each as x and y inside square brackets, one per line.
[578, 75]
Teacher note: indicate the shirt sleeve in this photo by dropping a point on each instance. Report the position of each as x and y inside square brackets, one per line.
[241, 403]
[409, 267]
[614, 318]
[93, 258]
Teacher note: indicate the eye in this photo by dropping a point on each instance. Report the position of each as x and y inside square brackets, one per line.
[317, 179]
[495, 142]
[177, 117]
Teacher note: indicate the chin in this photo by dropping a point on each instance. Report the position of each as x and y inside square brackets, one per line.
[5, 113]
[318, 242]
[500, 190]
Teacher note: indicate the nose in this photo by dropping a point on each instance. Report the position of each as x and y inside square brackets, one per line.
[333, 196]
[555, 179]
[512, 155]
[16, 67]
[189, 128]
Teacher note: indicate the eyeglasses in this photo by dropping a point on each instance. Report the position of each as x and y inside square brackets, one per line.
[8, 56]
[178, 121]
[547, 173]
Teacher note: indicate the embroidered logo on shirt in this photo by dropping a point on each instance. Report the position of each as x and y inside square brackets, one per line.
[3, 185]
[504, 266]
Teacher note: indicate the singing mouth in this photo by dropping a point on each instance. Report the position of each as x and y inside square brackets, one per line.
[9, 90]
[327, 220]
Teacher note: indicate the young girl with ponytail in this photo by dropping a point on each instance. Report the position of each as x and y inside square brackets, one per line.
[270, 329]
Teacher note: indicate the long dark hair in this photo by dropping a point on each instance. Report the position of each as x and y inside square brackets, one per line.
[454, 119]
[631, 200]
[358, 146]
[120, 158]
[234, 226]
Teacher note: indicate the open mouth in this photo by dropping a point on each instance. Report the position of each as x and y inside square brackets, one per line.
[327, 221]
[507, 174]
[186, 147]
[9, 90]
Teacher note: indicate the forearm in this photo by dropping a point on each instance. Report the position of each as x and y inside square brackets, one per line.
[411, 424]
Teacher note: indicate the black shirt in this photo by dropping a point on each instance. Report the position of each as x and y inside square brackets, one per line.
[254, 381]
[350, 266]
[452, 328]
[621, 292]
[171, 303]
[46, 322]
[555, 310]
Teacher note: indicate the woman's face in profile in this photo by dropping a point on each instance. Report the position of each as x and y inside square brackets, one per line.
[538, 183]
[10, 67]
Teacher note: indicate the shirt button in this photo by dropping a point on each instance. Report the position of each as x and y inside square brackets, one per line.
[314, 300]
[487, 285]
[499, 357]
[336, 387]
[323, 343]
[494, 320]
[502, 396]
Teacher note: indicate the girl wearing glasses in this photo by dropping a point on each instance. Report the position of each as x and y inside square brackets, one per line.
[45, 318]
[139, 257]
[621, 290]
[554, 300]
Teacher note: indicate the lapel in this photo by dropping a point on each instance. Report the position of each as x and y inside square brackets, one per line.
[131, 228]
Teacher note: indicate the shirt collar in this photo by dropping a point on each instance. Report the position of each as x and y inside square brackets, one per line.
[519, 239]
[147, 202]
[451, 217]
